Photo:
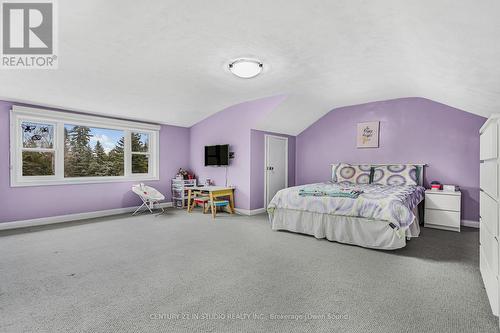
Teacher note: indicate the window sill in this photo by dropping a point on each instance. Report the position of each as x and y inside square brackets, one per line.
[85, 180]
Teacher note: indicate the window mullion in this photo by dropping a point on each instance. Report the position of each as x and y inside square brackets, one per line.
[155, 152]
[59, 150]
[150, 164]
[18, 168]
[127, 152]
[40, 150]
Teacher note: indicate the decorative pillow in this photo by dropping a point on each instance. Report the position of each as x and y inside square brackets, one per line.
[334, 171]
[395, 174]
[354, 174]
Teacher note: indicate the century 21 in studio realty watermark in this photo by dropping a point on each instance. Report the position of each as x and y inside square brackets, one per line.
[29, 34]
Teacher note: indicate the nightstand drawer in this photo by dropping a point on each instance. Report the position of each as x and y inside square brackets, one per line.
[442, 201]
[442, 218]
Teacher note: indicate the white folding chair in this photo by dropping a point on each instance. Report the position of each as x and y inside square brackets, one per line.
[149, 196]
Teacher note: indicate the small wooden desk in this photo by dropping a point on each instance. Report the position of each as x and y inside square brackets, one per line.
[213, 192]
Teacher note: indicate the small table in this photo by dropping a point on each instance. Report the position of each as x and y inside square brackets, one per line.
[213, 192]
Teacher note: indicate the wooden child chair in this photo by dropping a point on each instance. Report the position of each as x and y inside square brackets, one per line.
[219, 204]
[200, 200]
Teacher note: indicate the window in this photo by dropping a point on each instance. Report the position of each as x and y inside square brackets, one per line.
[140, 153]
[49, 147]
[38, 149]
[93, 152]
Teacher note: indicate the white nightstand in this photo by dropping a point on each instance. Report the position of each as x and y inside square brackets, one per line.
[442, 210]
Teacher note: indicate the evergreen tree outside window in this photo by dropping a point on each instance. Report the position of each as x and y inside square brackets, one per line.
[86, 156]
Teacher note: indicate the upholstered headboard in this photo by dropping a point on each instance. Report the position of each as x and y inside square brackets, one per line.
[420, 168]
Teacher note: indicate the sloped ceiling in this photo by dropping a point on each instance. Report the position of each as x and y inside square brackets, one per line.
[166, 61]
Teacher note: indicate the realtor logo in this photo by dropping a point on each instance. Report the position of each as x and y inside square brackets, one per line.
[28, 35]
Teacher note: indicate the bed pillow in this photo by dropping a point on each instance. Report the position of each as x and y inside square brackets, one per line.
[334, 171]
[395, 174]
[353, 174]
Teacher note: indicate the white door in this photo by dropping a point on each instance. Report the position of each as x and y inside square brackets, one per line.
[276, 165]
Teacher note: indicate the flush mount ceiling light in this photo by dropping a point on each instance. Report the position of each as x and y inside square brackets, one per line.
[246, 68]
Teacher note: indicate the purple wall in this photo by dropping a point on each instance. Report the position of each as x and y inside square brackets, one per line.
[257, 172]
[20, 203]
[230, 126]
[412, 130]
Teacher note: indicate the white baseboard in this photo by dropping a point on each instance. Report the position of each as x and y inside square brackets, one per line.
[250, 212]
[70, 217]
[117, 211]
[470, 223]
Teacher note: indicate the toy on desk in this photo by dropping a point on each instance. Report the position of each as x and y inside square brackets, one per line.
[184, 174]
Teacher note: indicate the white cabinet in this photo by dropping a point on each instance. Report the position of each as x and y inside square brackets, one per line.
[442, 210]
[179, 191]
[489, 209]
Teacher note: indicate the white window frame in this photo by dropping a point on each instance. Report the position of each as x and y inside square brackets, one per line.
[146, 153]
[21, 114]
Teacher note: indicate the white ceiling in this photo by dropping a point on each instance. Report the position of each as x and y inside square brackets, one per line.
[165, 61]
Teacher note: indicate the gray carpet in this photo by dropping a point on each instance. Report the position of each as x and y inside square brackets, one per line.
[186, 273]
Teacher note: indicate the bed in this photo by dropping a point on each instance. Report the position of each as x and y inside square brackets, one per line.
[362, 210]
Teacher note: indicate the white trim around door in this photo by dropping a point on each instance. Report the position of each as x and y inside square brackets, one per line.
[266, 171]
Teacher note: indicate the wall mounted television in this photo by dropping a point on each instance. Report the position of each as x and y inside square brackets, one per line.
[217, 155]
